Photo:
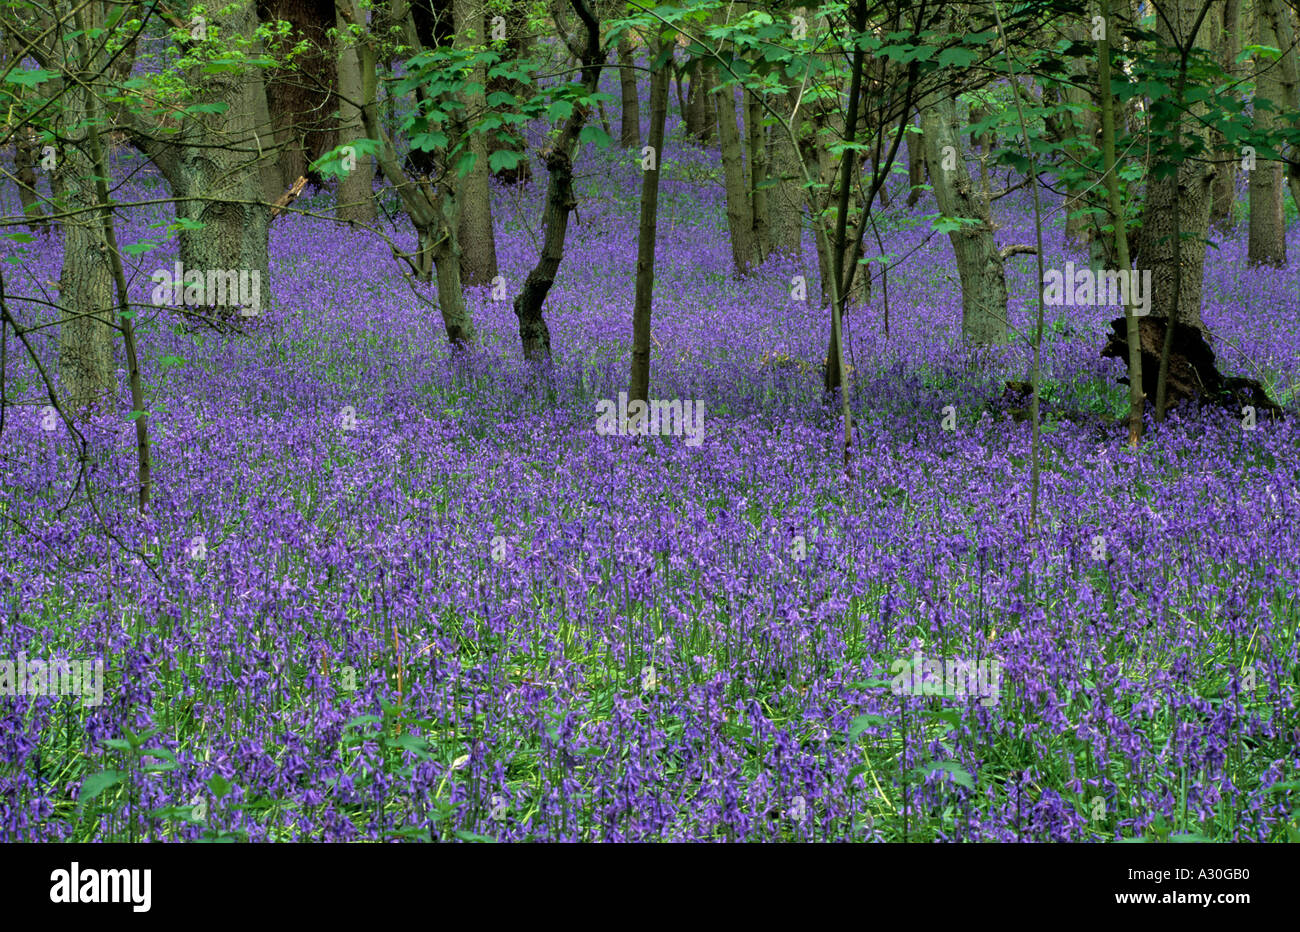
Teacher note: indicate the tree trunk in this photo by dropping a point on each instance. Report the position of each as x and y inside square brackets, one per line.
[433, 210]
[445, 253]
[816, 154]
[740, 218]
[214, 169]
[1286, 74]
[982, 144]
[1223, 197]
[534, 335]
[517, 48]
[756, 139]
[1079, 133]
[301, 97]
[1188, 193]
[639, 382]
[915, 167]
[25, 153]
[630, 129]
[87, 375]
[218, 160]
[980, 266]
[1267, 235]
[478, 263]
[268, 166]
[1137, 399]
[701, 110]
[356, 191]
[785, 206]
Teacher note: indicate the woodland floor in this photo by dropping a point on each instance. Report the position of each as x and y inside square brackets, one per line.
[666, 642]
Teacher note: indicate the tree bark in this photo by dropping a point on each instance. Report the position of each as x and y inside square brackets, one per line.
[214, 167]
[273, 179]
[301, 97]
[756, 139]
[1079, 132]
[1266, 244]
[701, 116]
[630, 128]
[356, 191]
[740, 218]
[1283, 26]
[517, 47]
[639, 382]
[87, 375]
[431, 205]
[1188, 193]
[478, 264]
[1137, 400]
[534, 335]
[915, 167]
[821, 201]
[1223, 197]
[979, 264]
[25, 180]
[785, 206]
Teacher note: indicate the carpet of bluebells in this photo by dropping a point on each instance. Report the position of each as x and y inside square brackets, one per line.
[463, 615]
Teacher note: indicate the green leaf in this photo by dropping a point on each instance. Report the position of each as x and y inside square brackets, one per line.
[30, 77]
[429, 142]
[219, 785]
[168, 361]
[560, 110]
[217, 838]
[952, 224]
[594, 134]
[140, 248]
[504, 159]
[869, 683]
[221, 65]
[92, 786]
[471, 836]
[413, 743]
[951, 716]
[957, 56]
[20, 237]
[117, 744]
[862, 723]
[959, 775]
[136, 414]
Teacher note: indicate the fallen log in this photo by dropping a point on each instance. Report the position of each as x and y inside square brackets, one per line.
[1192, 375]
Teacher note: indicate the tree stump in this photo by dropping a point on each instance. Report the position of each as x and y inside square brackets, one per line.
[1192, 374]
